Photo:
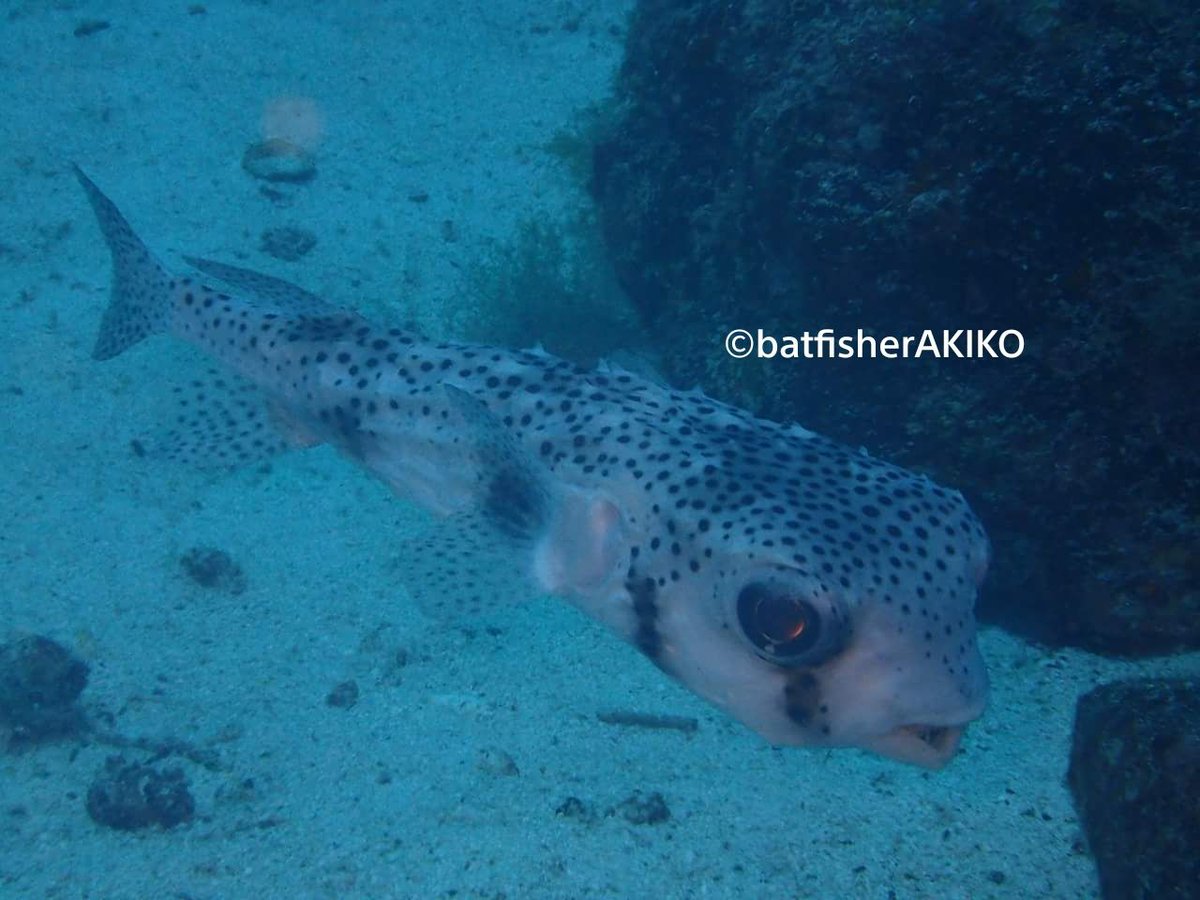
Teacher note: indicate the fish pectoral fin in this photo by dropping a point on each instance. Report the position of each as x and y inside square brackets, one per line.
[461, 570]
[584, 547]
[556, 538]
[465, 566]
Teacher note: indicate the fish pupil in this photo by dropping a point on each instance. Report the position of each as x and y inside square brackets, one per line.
[779, 624]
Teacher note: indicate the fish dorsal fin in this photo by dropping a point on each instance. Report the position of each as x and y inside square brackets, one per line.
[270, 292]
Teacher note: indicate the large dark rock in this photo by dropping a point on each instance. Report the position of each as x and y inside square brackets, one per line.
[897, 166]
[1135, 774]
[40, 685]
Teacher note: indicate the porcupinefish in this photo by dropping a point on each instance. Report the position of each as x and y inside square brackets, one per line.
[822, 597]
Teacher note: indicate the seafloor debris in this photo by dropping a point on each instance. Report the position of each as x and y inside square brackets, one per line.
[343, 695]
[213, 568]
[494, 761]
[288, 244]
[637, 809]
[391, 666]
[686, 724]
[88, 27]
[643, 810]
[386, 657]
[577, 810]
[129, 796]
[40, 684]
[279, 160]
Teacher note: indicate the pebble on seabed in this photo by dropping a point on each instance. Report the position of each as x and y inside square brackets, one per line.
[279, 160]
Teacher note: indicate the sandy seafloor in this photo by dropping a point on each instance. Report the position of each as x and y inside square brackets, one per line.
[401, 795]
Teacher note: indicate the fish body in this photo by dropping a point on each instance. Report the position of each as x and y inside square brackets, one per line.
[820, 596]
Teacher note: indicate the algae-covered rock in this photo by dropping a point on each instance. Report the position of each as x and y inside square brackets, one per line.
[904, 166]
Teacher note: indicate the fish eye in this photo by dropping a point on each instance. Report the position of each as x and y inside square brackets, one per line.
[784, 627]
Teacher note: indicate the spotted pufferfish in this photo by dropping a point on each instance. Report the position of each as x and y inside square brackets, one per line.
[820, 596]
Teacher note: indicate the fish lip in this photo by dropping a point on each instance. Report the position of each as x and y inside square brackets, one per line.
[921, 744]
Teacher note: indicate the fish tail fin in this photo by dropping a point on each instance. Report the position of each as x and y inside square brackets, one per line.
[140, 303]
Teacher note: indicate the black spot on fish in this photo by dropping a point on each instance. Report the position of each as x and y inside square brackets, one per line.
[645, 609]
[515, 502]
[802, 696]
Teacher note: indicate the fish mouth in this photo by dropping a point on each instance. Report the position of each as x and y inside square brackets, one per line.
[931, 746]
